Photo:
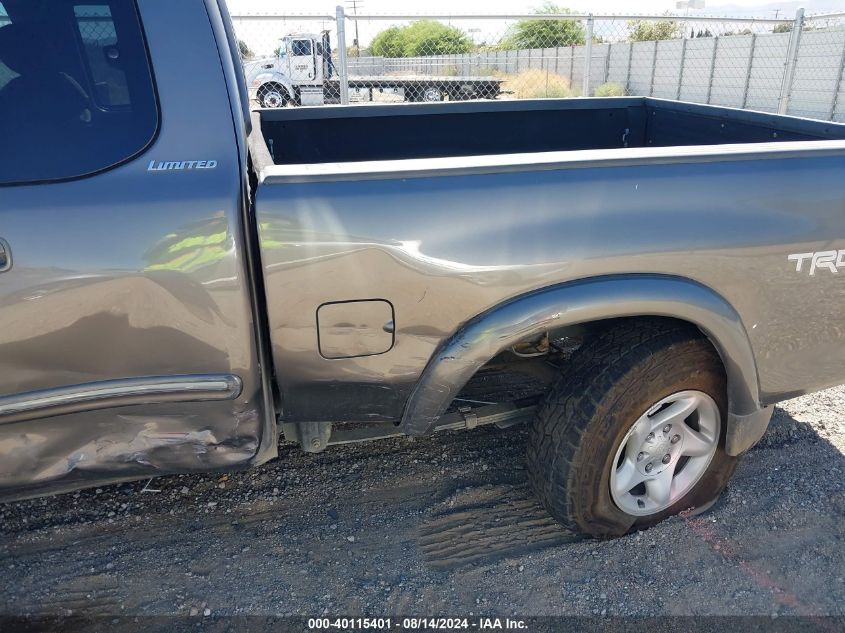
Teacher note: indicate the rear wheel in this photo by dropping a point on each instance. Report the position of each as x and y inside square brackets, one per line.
[633, 431]
[432, 95]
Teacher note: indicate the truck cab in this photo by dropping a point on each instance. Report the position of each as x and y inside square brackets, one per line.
[296, 74]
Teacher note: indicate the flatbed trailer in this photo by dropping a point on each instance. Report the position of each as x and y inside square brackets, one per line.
[417, 88]
[412, 88]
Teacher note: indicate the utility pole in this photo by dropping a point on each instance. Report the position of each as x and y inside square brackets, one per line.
[355, 5]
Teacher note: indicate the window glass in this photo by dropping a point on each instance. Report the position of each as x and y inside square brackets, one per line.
[6, 73]
[99, 41]
[301, 48]
[76, 90]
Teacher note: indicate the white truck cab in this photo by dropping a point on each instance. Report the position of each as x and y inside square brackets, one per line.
[296, 74]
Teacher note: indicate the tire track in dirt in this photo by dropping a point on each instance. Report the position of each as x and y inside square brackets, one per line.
[485, 524]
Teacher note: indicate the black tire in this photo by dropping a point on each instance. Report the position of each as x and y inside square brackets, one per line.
[613, 379]
[272, 95]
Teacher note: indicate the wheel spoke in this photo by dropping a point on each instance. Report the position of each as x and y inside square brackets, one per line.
[627, 476]
[676, 412]
[636, 438]
[695, 444]
[659, 489]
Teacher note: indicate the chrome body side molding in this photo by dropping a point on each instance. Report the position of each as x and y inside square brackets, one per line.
[120, 392]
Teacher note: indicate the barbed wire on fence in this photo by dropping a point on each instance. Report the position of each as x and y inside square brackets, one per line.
[793, 65]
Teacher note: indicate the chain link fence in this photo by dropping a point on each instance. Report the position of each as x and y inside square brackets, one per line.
[792, 65]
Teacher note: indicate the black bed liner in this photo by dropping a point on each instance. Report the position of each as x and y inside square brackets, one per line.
[387, 132]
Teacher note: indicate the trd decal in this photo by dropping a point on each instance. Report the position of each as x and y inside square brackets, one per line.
[830, 261]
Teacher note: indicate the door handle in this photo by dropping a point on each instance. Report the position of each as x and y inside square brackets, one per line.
[5, 256]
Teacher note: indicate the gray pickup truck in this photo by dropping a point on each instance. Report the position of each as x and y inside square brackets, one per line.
[183, 280]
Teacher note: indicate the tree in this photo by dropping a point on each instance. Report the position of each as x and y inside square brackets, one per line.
[545, 33]
[245, 50]
[783, 28]
[422, 37]
[389, 43]
[642, 31]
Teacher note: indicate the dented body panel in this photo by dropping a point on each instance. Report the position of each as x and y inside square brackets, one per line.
[128, 333]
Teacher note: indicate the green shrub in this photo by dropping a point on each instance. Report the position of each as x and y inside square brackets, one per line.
[538, 84]
[610, 89]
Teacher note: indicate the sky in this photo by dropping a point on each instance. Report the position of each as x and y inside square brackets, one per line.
[485, 6]
[263, 36]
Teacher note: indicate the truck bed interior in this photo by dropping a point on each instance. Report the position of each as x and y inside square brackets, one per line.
[389, 132]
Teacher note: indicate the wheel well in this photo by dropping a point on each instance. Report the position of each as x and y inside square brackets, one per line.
[593, 328]
[495, 333]
[527, 369]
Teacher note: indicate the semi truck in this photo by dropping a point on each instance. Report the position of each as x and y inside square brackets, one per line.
[302, 72]
[181, 286]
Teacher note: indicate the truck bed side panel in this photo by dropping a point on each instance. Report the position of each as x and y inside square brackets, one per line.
[443, 249]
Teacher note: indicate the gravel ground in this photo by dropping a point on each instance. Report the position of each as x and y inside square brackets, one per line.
[440, 526]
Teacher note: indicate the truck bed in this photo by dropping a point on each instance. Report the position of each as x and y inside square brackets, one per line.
[432, 214]
[372, 133]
